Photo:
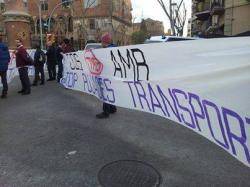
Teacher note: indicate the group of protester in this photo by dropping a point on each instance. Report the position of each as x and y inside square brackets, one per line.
[52, 57]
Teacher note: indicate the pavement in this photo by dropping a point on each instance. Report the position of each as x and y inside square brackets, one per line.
[52, 138]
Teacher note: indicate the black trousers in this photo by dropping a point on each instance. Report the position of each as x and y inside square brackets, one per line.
[52, 70]
[3, 75]
[60, 70]
[39, 70]
[109, 109]
[24, 77]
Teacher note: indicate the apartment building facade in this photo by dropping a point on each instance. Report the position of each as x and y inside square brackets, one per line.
[220, 17]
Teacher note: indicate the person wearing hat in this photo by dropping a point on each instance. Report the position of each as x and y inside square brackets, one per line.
[4, 61]
[108, 109]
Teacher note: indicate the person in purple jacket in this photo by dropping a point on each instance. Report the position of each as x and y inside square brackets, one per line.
[4, 61]
[108, 109]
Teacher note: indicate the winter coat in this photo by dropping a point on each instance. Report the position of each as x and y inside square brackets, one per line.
[68, 49]
[59, 56]
[21, 57]
[39, 58]
[51, 55]
[4, 57]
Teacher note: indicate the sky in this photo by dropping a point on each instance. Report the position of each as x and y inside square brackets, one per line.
[151, 9]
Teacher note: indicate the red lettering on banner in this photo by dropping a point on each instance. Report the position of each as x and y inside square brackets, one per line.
[94, 65]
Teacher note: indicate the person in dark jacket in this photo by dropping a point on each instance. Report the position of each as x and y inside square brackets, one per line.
[59, 57]
[107, 108]
[4, 61]
[51, 61]
[22, 63]
[39, 61]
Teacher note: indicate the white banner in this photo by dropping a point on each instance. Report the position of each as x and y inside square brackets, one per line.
[203, 85]
[12, 70]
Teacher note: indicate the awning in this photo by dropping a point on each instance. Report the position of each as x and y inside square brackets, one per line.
[204, 15]
[217, 10]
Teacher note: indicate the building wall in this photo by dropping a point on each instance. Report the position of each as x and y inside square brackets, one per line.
[136, 27]
[154, 27]
[2, 9]
[237, 17]
[82, 23]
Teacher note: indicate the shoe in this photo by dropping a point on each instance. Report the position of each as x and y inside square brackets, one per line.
[50, 80]
[4, 96]
[34, 84]
[42, 83]
[26, 93]
[102, 116]
[21, 91]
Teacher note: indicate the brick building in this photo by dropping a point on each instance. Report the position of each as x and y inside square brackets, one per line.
[2, 10]
[81, 20]
[84, 20]
[154, 27]
[16, 22]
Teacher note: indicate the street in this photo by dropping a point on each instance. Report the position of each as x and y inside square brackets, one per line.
[52, 138]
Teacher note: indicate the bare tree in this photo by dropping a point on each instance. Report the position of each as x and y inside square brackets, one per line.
[89, 4]
[176, 13]
[118, 28]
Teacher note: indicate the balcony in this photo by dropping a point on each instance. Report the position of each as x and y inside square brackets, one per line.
[217, 8]
[203, 11]
[198, 1]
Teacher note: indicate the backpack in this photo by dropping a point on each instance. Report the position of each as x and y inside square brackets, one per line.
[42, 58]
[29, 60]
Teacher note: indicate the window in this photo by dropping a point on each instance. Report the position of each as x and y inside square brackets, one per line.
[92, 24]
[25, 3]
[44, 5]
[90, 3]
[66, 3]
[2, 7]
[52, 23]
[215, 20]
[70, 24]
[44, 25]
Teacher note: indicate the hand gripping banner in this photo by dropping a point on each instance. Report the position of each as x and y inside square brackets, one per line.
[203, 85]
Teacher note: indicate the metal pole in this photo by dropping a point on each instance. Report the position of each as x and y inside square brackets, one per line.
[52, 12]
[41, 28]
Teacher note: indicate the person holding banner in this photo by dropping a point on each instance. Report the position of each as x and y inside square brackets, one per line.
[51, 61]
[39, 61]
[59, 57]
[4, 60]
[23, 60]
[67, 47]
[108, 109]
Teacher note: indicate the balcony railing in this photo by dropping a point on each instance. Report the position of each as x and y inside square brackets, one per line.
[217, 7]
